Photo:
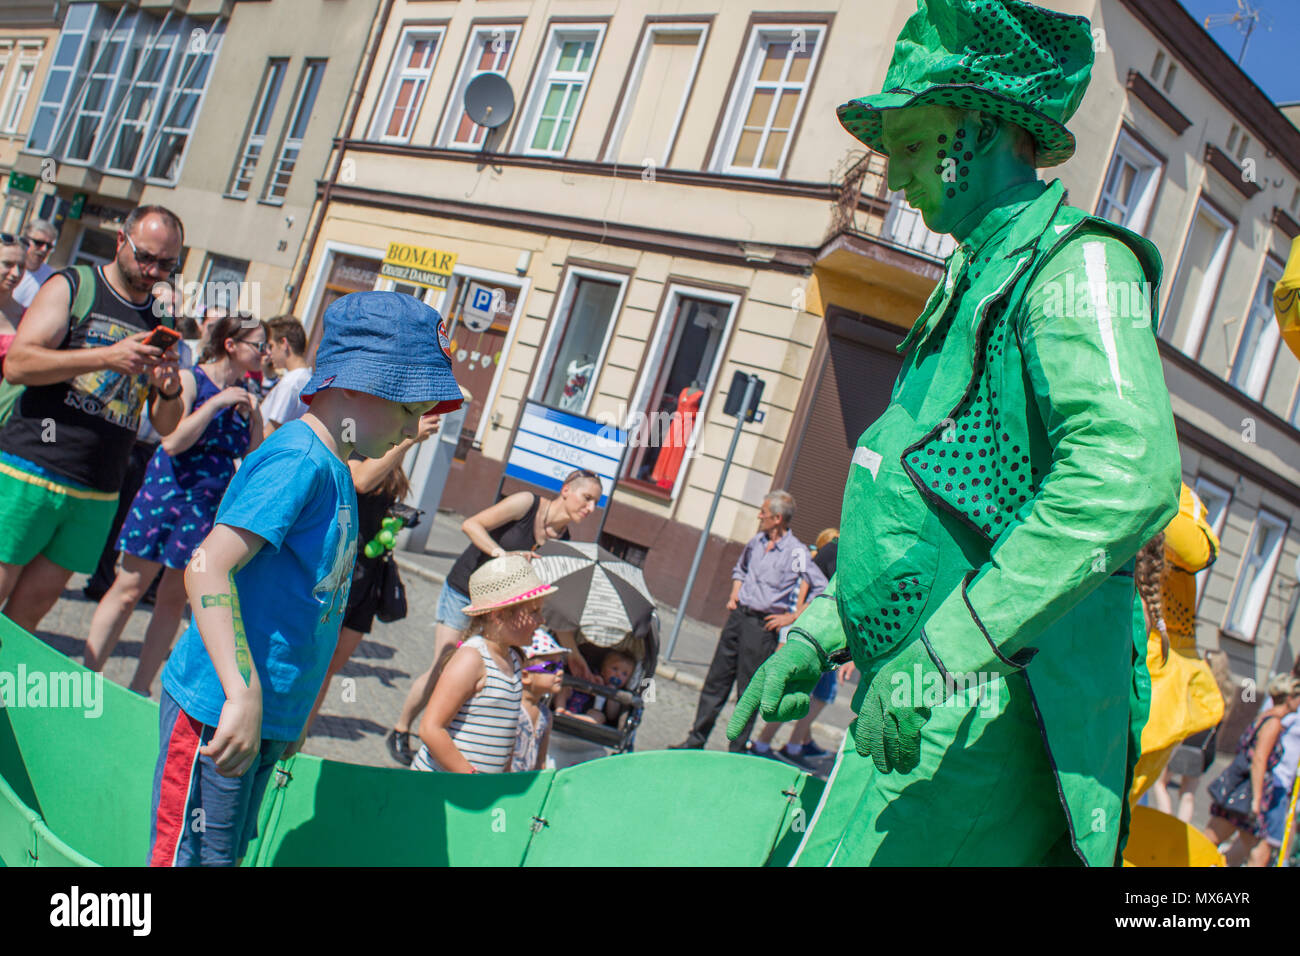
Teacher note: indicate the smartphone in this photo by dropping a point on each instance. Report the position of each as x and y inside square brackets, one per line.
[162, 338]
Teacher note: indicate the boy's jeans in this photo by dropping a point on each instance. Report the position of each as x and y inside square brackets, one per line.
[200, 818]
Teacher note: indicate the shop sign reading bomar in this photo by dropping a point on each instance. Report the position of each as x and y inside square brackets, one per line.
[417, 265]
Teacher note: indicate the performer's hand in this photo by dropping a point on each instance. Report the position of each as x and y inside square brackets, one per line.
[780, 688]
[891, 717]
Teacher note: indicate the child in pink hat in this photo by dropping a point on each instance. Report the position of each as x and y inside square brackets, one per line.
[472, 718]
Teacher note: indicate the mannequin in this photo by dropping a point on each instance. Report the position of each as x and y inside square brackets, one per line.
[679, 434]
[577, 377]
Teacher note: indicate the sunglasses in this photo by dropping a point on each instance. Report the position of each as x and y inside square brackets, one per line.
[546, 667]
[261, 347]
[146, 259]
[38, 243]
[9, 239]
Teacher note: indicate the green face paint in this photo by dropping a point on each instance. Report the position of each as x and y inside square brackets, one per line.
[930, 162]
[243, 657]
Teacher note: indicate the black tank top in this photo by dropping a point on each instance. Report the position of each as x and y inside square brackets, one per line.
[93, 417]
[512, 536]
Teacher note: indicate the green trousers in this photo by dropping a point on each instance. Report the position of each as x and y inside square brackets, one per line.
[983, 794]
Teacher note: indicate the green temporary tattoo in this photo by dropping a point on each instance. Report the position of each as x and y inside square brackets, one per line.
[242, 655]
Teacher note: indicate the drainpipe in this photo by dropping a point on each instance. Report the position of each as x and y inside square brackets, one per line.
[377, 35]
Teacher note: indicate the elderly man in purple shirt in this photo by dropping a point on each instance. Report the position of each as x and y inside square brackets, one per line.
[763, 585]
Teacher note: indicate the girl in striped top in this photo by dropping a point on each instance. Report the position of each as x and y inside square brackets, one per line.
[470, 723]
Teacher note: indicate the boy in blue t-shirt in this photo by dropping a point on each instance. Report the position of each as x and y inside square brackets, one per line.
[269, 585]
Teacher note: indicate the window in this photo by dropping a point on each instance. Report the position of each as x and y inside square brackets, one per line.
[1130, 187]
[242, 179]
[181, 107]
[1259, 337]
[490, 50]
[1160, 61]
[19, 87]
[137, 102]
[100, 63]
[291, 146]
[1199, 270]
[1295, 202]
[1256, 574]
[77, 24]
[658, 86]
[1169, 78]
[1216, 499]
[408, 80]
[576, 347]
[124, 89]
[767, 100]
[674, 398]
[569, 57]
[223, 281]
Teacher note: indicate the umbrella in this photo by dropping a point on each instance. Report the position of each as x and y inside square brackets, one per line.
[603, 596]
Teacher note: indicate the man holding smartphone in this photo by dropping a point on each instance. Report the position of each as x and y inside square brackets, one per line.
[93, 365]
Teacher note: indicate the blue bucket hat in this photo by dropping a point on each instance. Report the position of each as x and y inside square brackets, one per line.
[389, 345]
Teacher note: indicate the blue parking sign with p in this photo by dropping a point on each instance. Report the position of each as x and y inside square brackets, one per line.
[482, 299]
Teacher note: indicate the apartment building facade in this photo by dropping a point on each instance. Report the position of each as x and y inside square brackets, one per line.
[28, 31]
[673, 200]
[655, 216]
[221, 110]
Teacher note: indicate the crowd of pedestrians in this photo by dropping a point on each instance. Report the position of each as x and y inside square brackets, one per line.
[122, 423]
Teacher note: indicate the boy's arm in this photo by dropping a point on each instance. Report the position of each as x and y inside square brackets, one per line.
[214, 599]
[457, 683]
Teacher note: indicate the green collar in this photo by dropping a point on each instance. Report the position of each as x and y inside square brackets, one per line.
[1002, 208]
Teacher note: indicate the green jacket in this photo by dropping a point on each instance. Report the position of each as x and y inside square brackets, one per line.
[994, 509]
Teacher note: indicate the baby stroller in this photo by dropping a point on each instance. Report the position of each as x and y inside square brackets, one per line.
[604, 601]
[619, 733]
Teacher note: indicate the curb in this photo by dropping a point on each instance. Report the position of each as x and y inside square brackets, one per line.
[665, 670]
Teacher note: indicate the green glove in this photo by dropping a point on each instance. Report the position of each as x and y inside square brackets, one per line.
[891, 716]
[781, 685]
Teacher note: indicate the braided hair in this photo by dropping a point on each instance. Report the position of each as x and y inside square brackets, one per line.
[1149, 576]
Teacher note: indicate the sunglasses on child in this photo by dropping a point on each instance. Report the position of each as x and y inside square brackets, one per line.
[546, 667]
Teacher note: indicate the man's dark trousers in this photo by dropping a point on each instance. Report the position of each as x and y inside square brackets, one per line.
[744, 645]
[106, 572]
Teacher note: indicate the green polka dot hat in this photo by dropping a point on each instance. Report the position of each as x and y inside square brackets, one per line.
[1015, 60]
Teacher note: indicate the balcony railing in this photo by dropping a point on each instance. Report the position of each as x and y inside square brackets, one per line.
[864, 176]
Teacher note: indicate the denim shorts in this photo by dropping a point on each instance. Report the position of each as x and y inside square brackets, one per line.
[1275, 819]
[201, 818]
[827, 687]
[451, 608]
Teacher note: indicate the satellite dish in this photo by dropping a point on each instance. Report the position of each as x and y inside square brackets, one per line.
[489, 101]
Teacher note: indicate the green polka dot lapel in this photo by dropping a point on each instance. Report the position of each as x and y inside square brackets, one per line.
[1015, 60]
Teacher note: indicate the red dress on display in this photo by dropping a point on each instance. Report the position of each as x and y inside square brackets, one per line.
[679, 433]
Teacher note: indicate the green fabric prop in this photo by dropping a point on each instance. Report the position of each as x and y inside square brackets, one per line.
[1025, 64]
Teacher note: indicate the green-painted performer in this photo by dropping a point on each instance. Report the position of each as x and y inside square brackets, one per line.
[985, 580]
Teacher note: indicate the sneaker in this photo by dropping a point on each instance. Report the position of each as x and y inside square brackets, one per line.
[810, 749]
[799, 760]
[399, 747]
[686, 745]
[769, 753]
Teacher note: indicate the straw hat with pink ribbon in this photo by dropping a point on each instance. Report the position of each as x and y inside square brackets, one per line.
[502, 582]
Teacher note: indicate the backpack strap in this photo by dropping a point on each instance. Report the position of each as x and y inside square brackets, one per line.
[84, 297]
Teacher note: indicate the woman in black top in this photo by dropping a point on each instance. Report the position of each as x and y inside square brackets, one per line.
[520, 523]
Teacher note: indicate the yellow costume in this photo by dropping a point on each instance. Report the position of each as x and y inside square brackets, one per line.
[1185, 698]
